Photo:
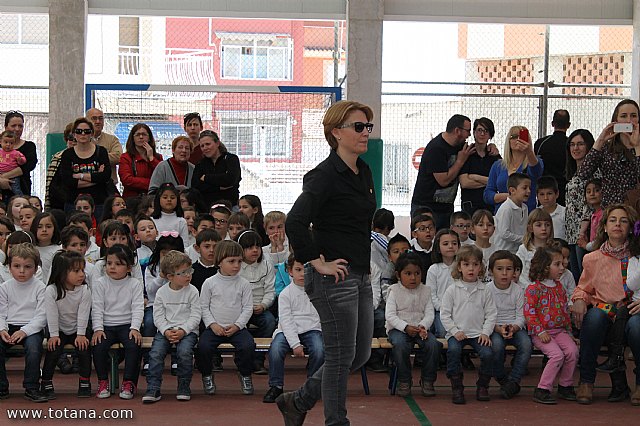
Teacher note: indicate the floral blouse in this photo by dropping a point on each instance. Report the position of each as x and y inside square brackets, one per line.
[576, 207]
[618, 173]
[546, 308]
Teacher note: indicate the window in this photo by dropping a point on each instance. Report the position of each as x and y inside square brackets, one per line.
[256, 57]
[24, 29]
[251, 138]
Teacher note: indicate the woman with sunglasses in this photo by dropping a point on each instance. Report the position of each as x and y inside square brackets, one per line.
[138, 162]
[55, 192]
[518, 156]
[85, 168]
[217, 176]
[14, 121]
[338, 198]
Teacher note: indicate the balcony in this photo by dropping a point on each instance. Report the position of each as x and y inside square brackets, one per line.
[189, 66]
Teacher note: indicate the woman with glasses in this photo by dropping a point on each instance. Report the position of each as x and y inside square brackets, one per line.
[579, 144]
[14, 121]
[138, 162]
[85, 168]
[518, 156]
[55, 192]
[475, 172]
[338, 199]
[177, 169]
[217, 176]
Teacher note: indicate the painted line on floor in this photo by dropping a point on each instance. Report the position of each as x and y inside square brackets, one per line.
[415, 409]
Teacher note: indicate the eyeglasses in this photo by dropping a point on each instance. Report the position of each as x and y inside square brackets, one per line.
[70, 138]
[466, 130]
[461, 226]
[220, 221]
[97, 118]
[424, 228]
[83, 131]
[188, 271]
[577, 144]
[358, 126]
[141, 135]
[481, 131]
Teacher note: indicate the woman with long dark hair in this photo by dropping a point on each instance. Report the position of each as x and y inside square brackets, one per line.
[138, 162]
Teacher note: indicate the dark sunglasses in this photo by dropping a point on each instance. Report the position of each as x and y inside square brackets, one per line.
[358, 126]
[81, 131]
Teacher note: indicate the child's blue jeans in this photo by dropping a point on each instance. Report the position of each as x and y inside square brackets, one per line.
[33, 353]
[402, 346]
[522, 342]
[279, 349]
[454, 355]
[159, 350]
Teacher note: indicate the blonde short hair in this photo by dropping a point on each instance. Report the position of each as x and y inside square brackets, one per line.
[172, 260]
[337, 114]
[24, 251]
[274, 216]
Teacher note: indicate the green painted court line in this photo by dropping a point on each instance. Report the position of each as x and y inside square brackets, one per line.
[415, 409]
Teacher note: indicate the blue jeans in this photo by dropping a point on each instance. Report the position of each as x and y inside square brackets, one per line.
[241, 341]
[632, 333]
[454, 354]
[311, 341]
[522, 342]
[575, 260]
[117, 334]
[266, 325]
[346, 315]
[159, 350]
[402, 346]
[593, 333]
[148, 330]
[32, 355]
[437, 328]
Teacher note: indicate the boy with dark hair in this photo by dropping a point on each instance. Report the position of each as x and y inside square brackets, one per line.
[511, 218]
[204, 267]
[382, 225]
[423, 229]
[202, 222]
[84, 221]
[548, 193]
[460, 222]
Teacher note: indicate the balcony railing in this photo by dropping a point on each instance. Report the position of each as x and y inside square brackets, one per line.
[189, 66]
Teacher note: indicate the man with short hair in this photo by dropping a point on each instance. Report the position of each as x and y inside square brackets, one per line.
[106, 140]
[443, 157]
[553, 151]
[193, 127]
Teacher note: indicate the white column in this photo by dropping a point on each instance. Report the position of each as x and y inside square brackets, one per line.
[364, 55]
[635, 52]
[67, 36]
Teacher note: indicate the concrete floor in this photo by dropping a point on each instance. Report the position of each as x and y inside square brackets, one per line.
[230, 407]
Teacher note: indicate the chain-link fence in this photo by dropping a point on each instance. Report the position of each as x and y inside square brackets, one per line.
[496, 71]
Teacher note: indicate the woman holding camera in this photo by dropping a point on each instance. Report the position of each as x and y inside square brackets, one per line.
[616, 153]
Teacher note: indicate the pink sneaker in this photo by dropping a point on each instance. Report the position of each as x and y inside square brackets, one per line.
[103, 389]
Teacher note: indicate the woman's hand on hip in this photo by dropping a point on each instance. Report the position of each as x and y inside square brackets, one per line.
[336, 268]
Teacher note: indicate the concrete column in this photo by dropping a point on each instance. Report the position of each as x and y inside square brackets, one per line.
[364, 55]
[67, 39]
[635, 52]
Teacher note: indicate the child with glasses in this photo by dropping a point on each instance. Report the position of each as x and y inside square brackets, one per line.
[177, 316]
[423, 229]
[461, 223]
[221, 214]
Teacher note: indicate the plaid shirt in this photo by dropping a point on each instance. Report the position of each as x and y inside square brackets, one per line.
[51, 171]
